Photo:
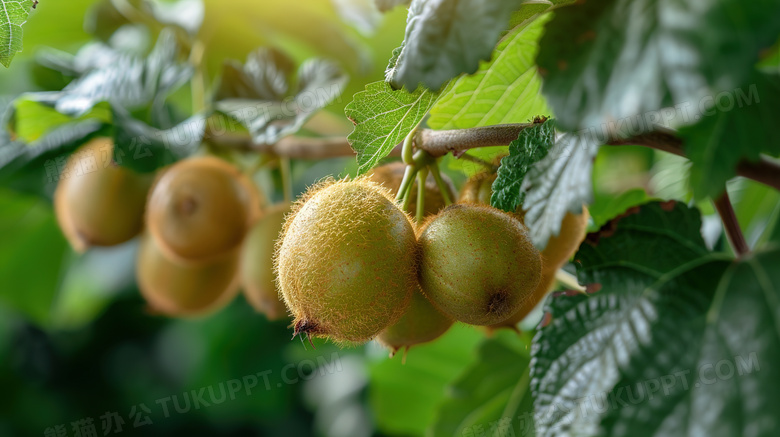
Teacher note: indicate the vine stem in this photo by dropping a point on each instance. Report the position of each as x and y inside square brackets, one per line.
[731, 225]
[440, 142]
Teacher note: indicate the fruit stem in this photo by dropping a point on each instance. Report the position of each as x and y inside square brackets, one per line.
[731, 225]
[406, 182]
[421, 176]
[443, 189]
[407, 150]
[284, 169]
[568, 280]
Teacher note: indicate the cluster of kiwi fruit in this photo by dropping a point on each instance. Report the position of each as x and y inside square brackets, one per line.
[345, 261]
[204, 234]
[353, 274]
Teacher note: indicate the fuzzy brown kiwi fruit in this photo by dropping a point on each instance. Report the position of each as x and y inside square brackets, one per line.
[200, 209]
[477, 263]
[178, 290]
[421, 323]
[346, 263]
[558, 250]
[390, 175]
[257, 273]
[99, 205]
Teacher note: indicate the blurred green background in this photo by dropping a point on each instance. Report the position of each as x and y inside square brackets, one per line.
[77, 343]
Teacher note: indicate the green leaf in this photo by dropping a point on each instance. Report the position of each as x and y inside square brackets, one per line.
[414, 390]
[383, 117]
[530, 147]
[13, 15]
[261, 95]
[128, 80]
[505, 90]
[723, 354]
[621, 59]
[492, 397]
[742, 126]
[633, 358]
[560, 182]
[34, 120]
[445, 38]
[34, 167]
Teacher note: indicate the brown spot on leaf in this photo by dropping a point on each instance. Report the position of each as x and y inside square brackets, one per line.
[563, 65]
[668, 205]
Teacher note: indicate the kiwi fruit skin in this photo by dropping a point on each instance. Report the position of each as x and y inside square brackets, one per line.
[421, 323]
[179, 290]
[346, 264]
[390, 175]
[200, 209]
[558, 250]
[258, 279]
[477, 263]
[103, 207]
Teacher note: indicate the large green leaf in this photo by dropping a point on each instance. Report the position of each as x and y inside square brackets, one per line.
[445, 38]
[382, 118]
[608, 61]
[413, 390]
[262, 96]
[669, 344]
[530, 147]
[13, 14]
[505, 90]
[492, 397]
[742, 126]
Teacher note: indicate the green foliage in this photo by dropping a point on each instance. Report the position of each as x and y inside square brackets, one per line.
[14, 15]
[616, 59]
[530, 147]
[262, 96]
[32, 254]
[742, 127]
[444, 39]
[505, 90]
[415, 389]
[492, 395]
[382, 118]
[657, 318]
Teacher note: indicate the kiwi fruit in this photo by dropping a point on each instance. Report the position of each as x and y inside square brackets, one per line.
[390, 175]
[200, 209]
[178, 290]
[421, 323]
[257, 273]
[558, 250]
[346, 261]
[102, 205]
[477, 264]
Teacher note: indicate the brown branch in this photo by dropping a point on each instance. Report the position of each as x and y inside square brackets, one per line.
[731, 225]
[440, 142]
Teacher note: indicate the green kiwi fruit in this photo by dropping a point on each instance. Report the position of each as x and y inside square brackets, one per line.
[477, 263]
